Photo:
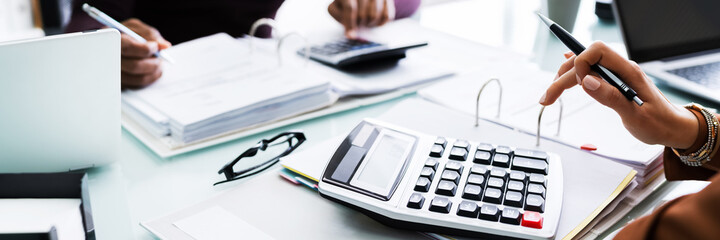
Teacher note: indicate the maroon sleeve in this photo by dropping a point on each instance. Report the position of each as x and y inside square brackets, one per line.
[405, 8]
[119, 10]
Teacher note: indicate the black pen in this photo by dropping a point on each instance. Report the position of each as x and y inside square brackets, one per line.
[576, 47]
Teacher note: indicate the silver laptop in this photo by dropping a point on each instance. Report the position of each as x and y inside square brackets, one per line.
[59, 102]
[676, 41]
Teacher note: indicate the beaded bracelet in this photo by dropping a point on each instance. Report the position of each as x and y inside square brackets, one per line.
[708, 150]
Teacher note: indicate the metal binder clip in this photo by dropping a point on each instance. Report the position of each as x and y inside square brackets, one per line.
[261, 22]
[477, 102]
[273, 25]
[537, 137]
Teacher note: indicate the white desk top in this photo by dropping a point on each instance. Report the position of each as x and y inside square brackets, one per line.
[142, 186]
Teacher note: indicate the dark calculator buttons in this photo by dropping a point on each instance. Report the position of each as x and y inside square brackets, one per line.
[416, 201]
[498, 173]
[459, 154]
[427, 172]
[456, 166]
[489, 212]
[513, 199]
[496, 182]
[530, 165]
[503, 150]
[479, 169]
[451, 175]
[501, 160]
[493, 195]
[536, 189]
[440, 204]
[441, 141]
[432, 162]
[446, 188]
[531, 154]
[462, 144]
[535, 203]
[485, 147]
[476, 179]
[516, 186]
[472, 192]
[468, 209]
[483, 157]
[422, 185]
[511, 216]
[515, 175]
[538, 179]
[436, 151]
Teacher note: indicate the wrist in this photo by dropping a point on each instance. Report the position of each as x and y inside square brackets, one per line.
[687, 130]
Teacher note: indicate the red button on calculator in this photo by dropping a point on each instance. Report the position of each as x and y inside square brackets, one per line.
[532, 219]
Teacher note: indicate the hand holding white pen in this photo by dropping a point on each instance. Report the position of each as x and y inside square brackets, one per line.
[139, 67]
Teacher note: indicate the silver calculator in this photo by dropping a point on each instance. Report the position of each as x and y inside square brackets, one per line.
[411, 180]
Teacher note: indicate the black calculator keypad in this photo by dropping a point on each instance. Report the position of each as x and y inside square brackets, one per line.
[437, 150]
[530, 165]
[501, 160]
[440, 204]
[476, 179]
[496, 182]
[450, 175]
[489, 212]
[468, 209]
[501, 184]
[515, 185]
[536, 189]
[458, 153]
[472, 192]
[416, 201]
[455, 166]
[493, 195]
[342, 46]
[432, 163]
[535, 202]
[514, 199]
[446, 188]
[422, 184]
[483, 157]
[511, 216]
[427, 172]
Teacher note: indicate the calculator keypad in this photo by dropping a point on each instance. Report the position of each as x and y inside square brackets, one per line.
[499, 184]
[342, 46]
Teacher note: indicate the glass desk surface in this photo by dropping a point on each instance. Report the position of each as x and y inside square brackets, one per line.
[141, 186]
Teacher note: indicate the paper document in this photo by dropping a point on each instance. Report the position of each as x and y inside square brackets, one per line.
[219, 85]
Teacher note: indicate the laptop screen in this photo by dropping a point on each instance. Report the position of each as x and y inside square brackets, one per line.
[657, 29]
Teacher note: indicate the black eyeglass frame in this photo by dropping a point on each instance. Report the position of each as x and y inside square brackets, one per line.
[231, 175]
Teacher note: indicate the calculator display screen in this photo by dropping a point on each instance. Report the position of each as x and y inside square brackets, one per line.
[382, 167]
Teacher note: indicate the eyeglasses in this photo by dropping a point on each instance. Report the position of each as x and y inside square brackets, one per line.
[273, 145]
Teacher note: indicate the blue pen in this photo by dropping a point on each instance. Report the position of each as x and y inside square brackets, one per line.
[110, 22]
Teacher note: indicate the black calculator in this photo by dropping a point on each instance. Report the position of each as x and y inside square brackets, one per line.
[411, 180]
[346, 52]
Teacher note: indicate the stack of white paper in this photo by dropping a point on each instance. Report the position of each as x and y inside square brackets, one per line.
[217, 85]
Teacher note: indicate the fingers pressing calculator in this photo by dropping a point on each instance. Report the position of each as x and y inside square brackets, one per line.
[416, 181]
[346, 52]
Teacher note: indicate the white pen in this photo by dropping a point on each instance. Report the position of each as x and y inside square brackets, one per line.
[110, 22]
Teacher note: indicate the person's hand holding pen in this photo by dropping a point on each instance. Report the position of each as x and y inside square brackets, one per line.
[657, 122]
[354, 14]
[139, 66]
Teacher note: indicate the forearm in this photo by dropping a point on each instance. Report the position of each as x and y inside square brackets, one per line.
[695, 216]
